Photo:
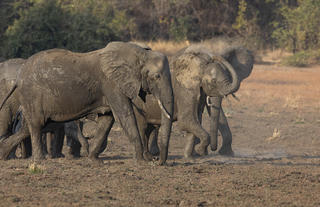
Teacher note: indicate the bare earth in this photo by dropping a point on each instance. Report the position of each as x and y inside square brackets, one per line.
[276, 131]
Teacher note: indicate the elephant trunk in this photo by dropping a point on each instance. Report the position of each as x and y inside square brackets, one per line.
[166, 104]
[229, 87]
[214, 104]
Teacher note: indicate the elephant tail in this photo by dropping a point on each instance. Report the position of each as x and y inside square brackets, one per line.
[8, 95]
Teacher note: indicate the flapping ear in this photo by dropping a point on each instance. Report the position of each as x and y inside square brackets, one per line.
[241, 60]
[122, 63]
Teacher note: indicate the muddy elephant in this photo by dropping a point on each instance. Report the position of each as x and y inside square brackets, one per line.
[9, 117]
[195, 75]
[8, 74]
[198, 79]
[58, 85]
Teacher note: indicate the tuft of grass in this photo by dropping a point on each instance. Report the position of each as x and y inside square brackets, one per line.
[302, 59]
[35, 168]
[275, 135]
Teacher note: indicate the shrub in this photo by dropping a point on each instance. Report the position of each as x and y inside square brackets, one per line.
[302, 59]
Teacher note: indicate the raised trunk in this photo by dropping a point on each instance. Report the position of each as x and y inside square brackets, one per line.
[214, 112]
[232, 87]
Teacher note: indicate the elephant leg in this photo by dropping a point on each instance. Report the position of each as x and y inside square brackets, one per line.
[26, 149]
[8, 144]
[122, 109]
[189, 148]
[105, 123]
[35, 132]
[73, 146]
[142, 126]
[49, 136]
[83, 141]
[225, 131]
[191, 139]
[58, 141]
[152, 134]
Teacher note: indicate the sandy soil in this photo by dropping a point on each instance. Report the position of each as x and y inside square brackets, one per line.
[276, 132]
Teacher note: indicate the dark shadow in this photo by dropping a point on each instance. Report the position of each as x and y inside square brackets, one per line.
[116, 157]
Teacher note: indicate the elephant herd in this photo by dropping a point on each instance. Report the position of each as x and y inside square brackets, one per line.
[53, 91]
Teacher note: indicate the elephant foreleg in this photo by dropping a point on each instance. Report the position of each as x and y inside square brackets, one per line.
[122, 108]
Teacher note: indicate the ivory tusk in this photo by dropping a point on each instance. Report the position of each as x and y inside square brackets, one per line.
[208, 101]
[164, 110]
[235, 97]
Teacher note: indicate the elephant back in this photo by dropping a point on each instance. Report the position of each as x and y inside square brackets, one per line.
[10, 68]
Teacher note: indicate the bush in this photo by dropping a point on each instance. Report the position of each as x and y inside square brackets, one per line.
[302, 59]
[76, 25]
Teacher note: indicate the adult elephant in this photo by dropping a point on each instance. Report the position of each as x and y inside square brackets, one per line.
[8, 74]
[58, 85]
[9, 119]
[199, 80]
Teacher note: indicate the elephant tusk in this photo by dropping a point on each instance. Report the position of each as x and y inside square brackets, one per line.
[235, 97]
[208, 101]
[164, 110]
[211, 104]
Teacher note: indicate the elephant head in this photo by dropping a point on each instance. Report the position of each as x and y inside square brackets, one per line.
[137, 71]
[241, 59]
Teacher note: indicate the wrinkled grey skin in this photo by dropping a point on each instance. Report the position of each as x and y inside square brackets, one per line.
[190, 103]
[58, 85]
[8, 73]
[195, 75]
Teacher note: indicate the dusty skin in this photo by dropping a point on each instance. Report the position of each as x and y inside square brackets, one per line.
[276, 133]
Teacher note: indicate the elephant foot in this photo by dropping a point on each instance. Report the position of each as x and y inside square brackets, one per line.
[148, 156]
[84, 153]
[95, 161]
[201, 150]
[226, 151]
[38, 157]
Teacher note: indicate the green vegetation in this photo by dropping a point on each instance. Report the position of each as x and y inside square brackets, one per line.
[29, 26]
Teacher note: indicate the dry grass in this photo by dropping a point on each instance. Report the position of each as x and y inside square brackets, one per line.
[292, 88]
[36, 168]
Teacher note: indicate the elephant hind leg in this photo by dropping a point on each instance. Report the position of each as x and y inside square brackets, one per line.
[35, 127]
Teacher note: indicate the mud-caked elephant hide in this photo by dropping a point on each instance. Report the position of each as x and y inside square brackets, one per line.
[200, 79]
[58, 85]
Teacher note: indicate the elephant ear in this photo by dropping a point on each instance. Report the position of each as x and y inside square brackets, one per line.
[242, 61]
[122, 63]
[186, 70]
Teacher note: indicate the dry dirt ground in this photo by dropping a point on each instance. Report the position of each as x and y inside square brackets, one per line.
[276, 133]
